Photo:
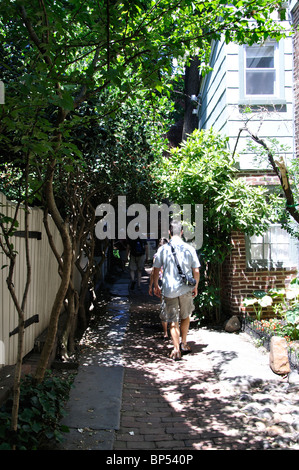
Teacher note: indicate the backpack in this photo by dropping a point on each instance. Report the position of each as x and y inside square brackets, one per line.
[138, 248]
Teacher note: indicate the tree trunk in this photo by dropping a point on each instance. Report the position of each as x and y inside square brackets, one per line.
[17, 376]
[67, 340]
[20, 307]
[87, 246]
[192, 81]
[21, 325]
[82, 300]
[56, 308]
[65, 278]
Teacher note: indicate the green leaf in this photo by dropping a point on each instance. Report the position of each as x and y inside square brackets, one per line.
[259, 294]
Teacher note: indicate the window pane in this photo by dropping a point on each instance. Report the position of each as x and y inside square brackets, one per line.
[260, 57]
[256, 251]
[280, 249]
[260, 83]
[276, 248]
[280, 253]
[257, 239]
[278, 235]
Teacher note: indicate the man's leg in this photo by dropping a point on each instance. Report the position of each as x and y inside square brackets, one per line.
[175, 335]
[164, 326]
[132, 268]
[186, 308]
[140, 266]
[185, 323]
[132, 274]
[163, 318]
[172, 312]
[139, 274]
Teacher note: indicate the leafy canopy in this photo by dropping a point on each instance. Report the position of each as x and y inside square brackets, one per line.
[90, 44]
[57, 56]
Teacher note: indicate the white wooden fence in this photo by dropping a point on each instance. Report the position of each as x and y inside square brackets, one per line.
[45, 281]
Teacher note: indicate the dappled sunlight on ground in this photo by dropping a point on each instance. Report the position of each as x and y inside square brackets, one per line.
[202, 402]
[176, 404]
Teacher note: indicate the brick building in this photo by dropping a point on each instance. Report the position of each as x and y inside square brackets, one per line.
[239, 278]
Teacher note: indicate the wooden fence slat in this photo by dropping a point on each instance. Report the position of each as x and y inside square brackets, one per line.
[43, 287]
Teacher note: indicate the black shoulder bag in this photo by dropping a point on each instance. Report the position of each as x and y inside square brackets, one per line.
[188, 280]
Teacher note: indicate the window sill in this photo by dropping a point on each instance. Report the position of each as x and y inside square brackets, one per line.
[262, 102]
[269, 268]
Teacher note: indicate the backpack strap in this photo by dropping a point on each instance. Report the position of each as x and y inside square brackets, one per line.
[176, 261]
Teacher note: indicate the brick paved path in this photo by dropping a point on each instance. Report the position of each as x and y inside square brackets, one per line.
[174, 405]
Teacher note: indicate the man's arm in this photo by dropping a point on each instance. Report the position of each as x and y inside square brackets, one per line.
[196, 274]
[157, 290]
[151, 282]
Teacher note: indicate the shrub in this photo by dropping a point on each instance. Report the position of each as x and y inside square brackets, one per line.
[41, 409]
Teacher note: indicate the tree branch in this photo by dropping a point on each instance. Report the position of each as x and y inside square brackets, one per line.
[282, 173]
[33, 36]
[46, 34]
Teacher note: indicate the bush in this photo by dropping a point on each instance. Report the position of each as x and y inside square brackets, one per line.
[40, 410]
[203, 171]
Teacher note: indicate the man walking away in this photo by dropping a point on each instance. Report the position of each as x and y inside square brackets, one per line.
[179, 286]
[138, 251]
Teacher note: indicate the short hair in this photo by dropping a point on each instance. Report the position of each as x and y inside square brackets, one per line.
[175, 227]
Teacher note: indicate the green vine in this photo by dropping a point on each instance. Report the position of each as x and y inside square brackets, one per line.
[40, 412]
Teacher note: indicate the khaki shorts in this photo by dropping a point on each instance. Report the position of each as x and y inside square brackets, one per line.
[163, 316]
[178, 308]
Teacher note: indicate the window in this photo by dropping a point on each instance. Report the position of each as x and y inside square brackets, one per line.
[275, 249]
[262, 73]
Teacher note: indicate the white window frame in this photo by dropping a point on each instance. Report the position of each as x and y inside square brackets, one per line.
[269, 244]
[278, 97]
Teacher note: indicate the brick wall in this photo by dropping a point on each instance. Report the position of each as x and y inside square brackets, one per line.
[260, 177]
[238, 281]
